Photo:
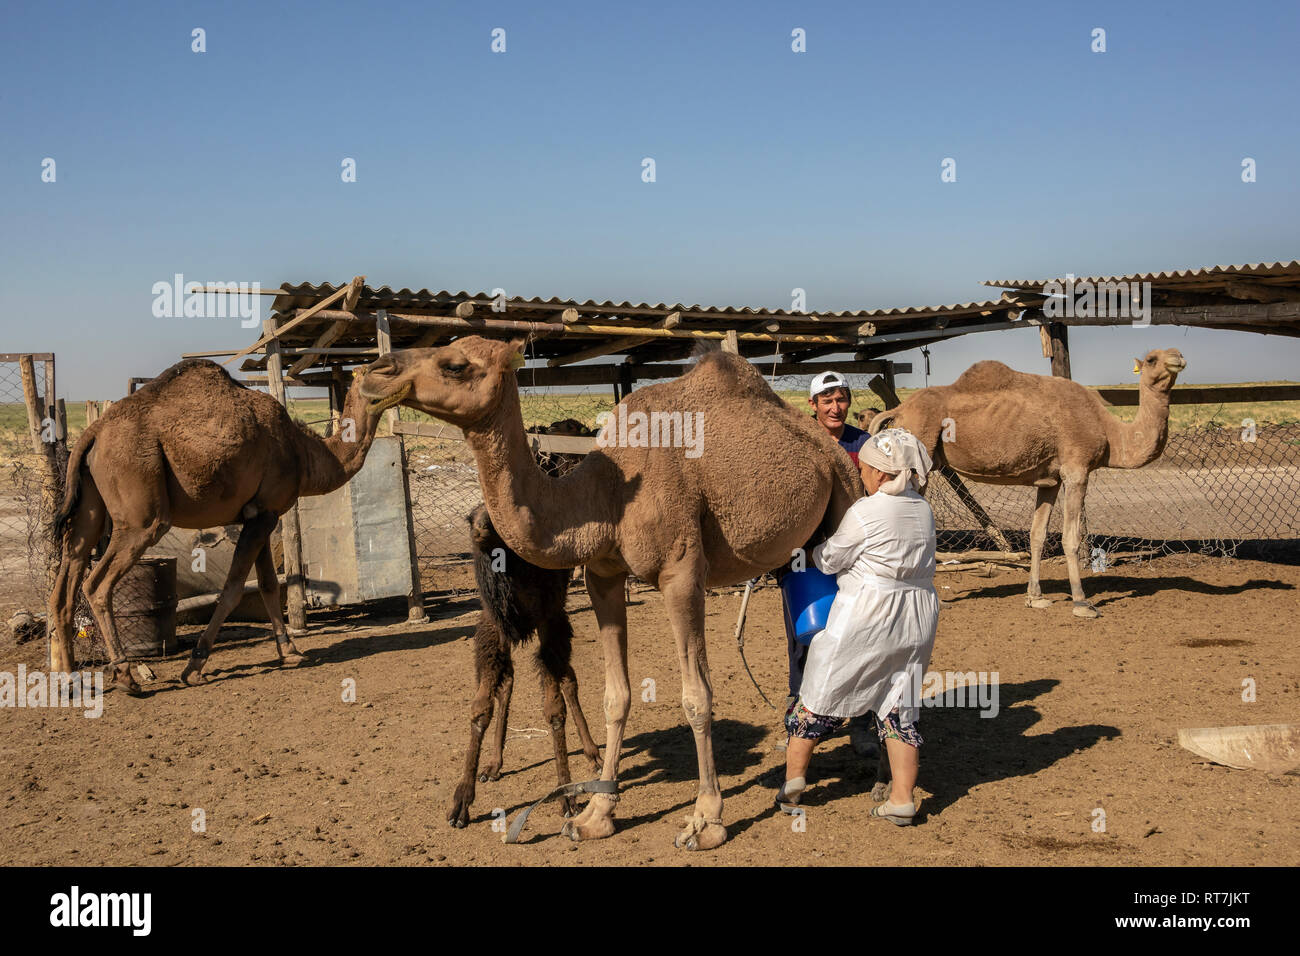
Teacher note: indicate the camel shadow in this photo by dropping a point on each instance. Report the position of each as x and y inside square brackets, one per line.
[1134, 587]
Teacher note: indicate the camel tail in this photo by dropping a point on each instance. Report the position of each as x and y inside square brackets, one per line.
[72, 492]
[881, 420]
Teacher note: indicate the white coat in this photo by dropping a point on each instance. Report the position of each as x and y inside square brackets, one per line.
[884, 617]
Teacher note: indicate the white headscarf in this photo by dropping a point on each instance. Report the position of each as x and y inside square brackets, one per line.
[897, 452]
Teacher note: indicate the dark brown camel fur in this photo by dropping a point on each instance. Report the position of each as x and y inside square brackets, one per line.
[517, 599]
[192, 449]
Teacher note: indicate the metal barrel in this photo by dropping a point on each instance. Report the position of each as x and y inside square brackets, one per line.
[144, 608]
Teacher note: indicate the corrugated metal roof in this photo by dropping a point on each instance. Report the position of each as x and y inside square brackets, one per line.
[306, 294]
[1211, 275]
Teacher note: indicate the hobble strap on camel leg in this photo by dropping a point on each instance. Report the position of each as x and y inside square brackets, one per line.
[608, 787]
[740, 640]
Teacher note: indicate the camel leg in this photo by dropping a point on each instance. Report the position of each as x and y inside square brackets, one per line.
[491, 658]
[1037, 537]
[504, 688]
[552, 658]
[125, 547]
[683, 593]
[252, 538]
[1071, 518]
[569, 689]
[608, 601]
[268, 584]
[86, 526]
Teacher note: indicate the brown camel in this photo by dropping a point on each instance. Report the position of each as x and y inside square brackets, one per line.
[999, 426]
[193, 449]
[517, 599]
[735, 503]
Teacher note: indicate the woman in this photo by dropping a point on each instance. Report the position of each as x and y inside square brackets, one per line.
[880, 630]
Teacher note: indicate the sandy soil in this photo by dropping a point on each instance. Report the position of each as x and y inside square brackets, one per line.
[288, 773]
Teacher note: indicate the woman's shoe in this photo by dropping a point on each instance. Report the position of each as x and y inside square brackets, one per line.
[899, 815]
[787, 798]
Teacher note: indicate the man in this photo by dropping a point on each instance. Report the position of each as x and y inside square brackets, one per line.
[829, 396]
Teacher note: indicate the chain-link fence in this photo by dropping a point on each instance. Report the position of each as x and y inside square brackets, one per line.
[1214, 487]
[444, 480]
[31, 487]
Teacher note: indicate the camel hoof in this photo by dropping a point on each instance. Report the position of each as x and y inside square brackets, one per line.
[1083, 609]
[596, 830]
[193, 678]
[489, 774]
[127, 683]
[1038, 603]
[291, 660]
[699, 835]
[459, 817]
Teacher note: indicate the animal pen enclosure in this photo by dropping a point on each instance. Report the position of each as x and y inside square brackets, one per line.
[1214, 487]
[1217, 484]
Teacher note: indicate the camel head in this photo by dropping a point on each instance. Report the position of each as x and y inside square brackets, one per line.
[461, 383]
[1160, 368]
[374, 406]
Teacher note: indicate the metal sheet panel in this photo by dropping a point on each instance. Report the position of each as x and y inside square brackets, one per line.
[355, 539]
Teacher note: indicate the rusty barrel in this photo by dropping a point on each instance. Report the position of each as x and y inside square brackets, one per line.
[144, 608]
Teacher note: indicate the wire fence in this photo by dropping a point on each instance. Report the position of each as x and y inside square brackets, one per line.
[1214, 487]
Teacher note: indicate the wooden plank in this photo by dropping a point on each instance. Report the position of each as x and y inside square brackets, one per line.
[354, 293]
[302, 316]
[290, 529]
[1207, 394]
[18, 356]
[596, 351]
[50, 393]
[731, 341]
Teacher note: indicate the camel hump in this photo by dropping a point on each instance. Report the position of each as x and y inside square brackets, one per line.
[728, 370]
[195, 368]
[992, 376]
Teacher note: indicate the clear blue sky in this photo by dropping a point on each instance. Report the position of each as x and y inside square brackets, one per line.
[523, 170]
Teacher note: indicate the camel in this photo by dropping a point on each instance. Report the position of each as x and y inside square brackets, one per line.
[517, 598]
[999, 426]
[192, 449]
[732, 505]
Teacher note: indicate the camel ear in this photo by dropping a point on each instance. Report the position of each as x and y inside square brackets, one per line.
[1137, 366]
[517, 353]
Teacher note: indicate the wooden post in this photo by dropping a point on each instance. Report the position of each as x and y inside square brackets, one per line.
[384, 339]
[50, 484]
[890, 398]
[732, 342]
[290, 530]
[415, 600]
[1058, 336]
[92, 412]
[50, 410]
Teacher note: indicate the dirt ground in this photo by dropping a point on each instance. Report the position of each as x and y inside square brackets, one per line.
[286, 772]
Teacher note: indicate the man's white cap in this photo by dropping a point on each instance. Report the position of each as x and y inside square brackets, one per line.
[826, 380]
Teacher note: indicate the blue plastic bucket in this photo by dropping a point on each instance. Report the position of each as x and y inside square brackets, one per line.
[808, 597]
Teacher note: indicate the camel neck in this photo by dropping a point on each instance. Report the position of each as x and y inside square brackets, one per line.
[531, 511]
[1137, 443]
[330, 463]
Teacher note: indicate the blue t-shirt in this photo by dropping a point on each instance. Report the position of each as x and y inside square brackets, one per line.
[852, 439]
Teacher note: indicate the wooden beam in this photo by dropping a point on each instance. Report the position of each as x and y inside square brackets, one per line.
[325, 340]
[731, 342]
[671, 321]
[506, 326]
[384, 337]
[354, 293]
[302, 316]
[1207, 394]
